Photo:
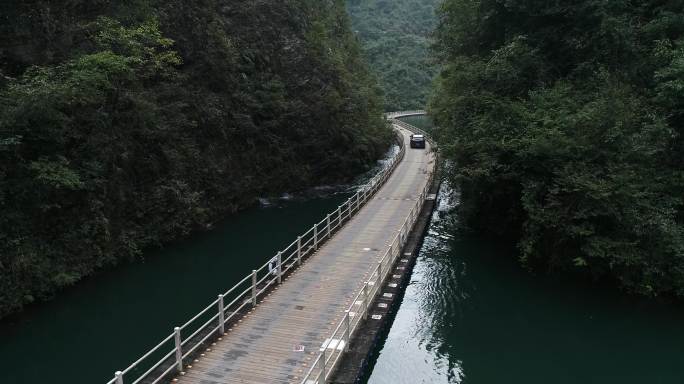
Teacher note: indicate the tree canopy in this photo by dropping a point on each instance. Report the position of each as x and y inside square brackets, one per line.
[396, 37]
[564, 124]
[127, 124]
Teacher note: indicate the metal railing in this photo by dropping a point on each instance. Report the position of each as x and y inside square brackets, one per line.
[415, 129]
[395, 115]
[338, 342]
[181, 345]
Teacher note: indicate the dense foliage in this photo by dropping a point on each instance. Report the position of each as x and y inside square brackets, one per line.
[127, 124]
[565, 124]
[394, 35]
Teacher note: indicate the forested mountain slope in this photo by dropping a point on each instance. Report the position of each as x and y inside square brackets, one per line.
[127, 124]
[564, 121]
[394, 35]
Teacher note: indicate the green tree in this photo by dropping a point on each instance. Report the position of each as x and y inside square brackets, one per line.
[395, 38]
[563, 123]
[127, 125]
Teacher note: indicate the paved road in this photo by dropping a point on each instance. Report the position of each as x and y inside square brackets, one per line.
[265, 346]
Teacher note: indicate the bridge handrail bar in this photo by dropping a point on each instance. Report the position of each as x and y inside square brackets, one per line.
[395, 116]
[399, 114]
[416, 130]
[360, 304]
[295, 253]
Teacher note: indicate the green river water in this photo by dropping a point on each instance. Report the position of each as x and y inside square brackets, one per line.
[470, 314]
[104, 323]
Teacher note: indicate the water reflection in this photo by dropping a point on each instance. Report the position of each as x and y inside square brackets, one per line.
[472, 315]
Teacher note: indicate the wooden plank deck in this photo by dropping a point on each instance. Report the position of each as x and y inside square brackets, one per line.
[304, 310]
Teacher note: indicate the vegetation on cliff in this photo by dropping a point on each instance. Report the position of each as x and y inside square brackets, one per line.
[565, 124]
[123, 126]
[395, 38]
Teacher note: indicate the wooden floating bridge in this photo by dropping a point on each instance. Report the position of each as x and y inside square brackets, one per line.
[291, 320]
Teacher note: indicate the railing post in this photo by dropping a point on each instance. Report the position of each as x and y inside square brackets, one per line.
[119, 377]
[254, 288]
[179, 353]
[348, 331]
[327, 218]
[322, 362]
[358, 200]
[299, 250]
[315, 231]
[222, 314]
[379, 277]
[339, 215]
[365, 301]
[280, 267]
[369, 302]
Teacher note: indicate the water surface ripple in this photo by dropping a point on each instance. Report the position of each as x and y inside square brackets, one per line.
[472, 315]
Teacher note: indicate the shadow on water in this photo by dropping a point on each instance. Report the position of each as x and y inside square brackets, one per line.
[106, 322]
[472, 315]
